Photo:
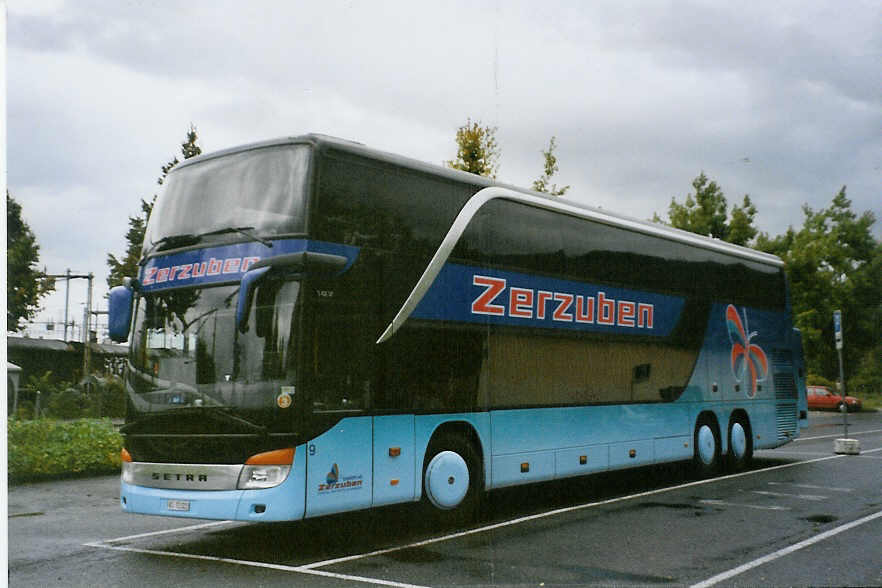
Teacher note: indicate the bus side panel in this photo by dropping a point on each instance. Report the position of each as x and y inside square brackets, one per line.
[338, 468]
[523, 435]
[763, 422]
[739, 338]
[394, 459]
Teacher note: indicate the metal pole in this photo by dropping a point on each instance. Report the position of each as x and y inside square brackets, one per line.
[87, 336]
[66, 302]
[842, 391]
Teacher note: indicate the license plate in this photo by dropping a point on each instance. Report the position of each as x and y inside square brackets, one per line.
[179, 505]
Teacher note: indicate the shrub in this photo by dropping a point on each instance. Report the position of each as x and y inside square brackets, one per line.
[108, 398]
[25, 410]
[45, 448]
[66, 404]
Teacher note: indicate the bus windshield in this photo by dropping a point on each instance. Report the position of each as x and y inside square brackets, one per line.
[187, 352]
[263, 188]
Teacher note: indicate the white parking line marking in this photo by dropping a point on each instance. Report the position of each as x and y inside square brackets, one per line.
[258, 564]
[788, 453]
[812, 486]
[787, 550]
[167, 531]
[837, 435]
[558, 511]
[814, 497]
[754, 506]
[312, 567]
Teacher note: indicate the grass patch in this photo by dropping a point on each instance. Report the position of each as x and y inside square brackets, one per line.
[871, 402]
[46, 448]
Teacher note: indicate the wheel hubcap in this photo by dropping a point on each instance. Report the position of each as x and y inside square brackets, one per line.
[738, 441]
[707, 445]
[447, 480]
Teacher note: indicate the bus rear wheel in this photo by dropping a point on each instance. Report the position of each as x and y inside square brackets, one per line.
[706, 441]
[740, 444]
[452, 480]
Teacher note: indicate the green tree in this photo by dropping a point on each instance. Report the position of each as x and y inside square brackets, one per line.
[833, 263]
[25, 283]
[477, 151]
[127, 265]
[542, 184]
[705, 213]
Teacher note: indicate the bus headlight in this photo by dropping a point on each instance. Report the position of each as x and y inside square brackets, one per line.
[262, 476]
[266, 470]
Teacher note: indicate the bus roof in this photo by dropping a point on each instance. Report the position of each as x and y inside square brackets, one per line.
[565, 205]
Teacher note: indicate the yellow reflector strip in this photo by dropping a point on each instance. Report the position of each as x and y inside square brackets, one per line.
[277, 457]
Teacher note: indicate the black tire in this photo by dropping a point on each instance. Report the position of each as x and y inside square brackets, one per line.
[706, 443]
[469, 507]
[741, 452]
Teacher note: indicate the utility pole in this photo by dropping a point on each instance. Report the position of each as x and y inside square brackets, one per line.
[68, 277]
[87, 330]
[66, 301]
[87, 314]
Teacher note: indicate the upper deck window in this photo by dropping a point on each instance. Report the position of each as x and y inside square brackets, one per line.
[264, 189]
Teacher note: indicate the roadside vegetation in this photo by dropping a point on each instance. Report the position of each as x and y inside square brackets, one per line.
[61, 429]
[49, 448]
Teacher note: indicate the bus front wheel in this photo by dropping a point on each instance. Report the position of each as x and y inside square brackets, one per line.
[706, 441]
[451, 479]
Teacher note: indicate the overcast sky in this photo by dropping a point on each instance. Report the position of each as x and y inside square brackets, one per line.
[778, 100]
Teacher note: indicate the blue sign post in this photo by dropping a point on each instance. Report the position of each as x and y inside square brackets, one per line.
[837, 335]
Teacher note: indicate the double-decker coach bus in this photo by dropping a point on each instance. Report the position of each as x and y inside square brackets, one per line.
[320, 327]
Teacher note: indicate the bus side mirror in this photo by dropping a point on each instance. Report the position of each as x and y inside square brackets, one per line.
[246, 294]
[119, 312]
[303, 261]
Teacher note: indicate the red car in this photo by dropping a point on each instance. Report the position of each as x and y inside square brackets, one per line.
[820, 398]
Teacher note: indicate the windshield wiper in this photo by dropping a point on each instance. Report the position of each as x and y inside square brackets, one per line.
[215, 412]
[241, 230]
[172, 241]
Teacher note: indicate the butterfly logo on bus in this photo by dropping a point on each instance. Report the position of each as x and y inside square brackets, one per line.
[749, 362]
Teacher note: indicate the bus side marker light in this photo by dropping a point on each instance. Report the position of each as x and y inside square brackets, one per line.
[525, 467]
[394, 451]
[393, 482]
[125, 455]
[583, 459]
[632, 453]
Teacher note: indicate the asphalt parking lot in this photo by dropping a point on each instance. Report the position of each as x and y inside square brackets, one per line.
[800, 516]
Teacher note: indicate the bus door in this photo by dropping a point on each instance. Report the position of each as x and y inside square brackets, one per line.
[340, 372]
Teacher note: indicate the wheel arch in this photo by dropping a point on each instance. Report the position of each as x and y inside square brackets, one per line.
[465, 430]
[739, 414]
